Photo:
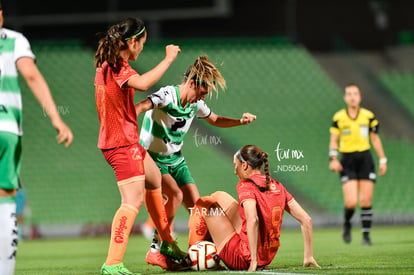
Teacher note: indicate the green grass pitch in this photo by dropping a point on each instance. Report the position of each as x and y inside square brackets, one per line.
[392, 252]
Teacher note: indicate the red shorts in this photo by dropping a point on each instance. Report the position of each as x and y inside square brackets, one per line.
[231, 254]
[127, 161]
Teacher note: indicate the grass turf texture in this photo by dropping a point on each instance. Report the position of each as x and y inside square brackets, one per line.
[391, 253]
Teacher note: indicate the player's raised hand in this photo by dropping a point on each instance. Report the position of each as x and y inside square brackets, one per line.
[247, 118]
[171, 52]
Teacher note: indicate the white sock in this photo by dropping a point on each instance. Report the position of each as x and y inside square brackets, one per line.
[8, 238]
[155, 245]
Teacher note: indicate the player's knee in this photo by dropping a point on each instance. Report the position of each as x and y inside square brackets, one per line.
[177, 196]
[351, 203]
[135, 201]
[221, 195]
[137, 204]
[206, 201]
[189, 202]
[218, 193]
[365, 202]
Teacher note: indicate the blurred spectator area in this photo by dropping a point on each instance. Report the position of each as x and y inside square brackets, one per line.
[293, 96]
[316, 24]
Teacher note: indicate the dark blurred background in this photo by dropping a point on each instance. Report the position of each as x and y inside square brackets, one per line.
[318, 25]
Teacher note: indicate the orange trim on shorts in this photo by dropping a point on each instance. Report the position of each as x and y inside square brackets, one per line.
[224, 242]
[131, 180]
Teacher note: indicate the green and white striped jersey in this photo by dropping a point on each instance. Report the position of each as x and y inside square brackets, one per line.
[164, 127]
[13, 45]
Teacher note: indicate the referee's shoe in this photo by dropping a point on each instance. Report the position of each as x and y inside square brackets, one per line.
[346, 235]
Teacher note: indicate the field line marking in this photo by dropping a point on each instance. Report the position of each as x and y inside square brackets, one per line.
[267, 272]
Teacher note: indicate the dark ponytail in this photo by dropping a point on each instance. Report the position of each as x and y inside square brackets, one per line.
[114, 41]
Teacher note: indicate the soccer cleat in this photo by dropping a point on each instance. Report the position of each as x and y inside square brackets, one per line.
[116, 269]
[154, 257]
[173, 252]
[366, 241]
[346, 235]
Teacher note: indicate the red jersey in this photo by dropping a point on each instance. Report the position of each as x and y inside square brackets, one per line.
[270, 208]
[115, 106]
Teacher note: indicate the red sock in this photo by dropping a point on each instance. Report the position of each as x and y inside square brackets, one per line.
[156, 209]
[121, 227]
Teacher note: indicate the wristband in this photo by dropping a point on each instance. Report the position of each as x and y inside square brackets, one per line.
[383, 161]
[333, 153]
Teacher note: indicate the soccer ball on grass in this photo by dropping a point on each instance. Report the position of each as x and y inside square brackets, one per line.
[203, 256]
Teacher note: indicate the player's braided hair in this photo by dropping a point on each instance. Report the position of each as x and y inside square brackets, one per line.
[255, 157]
[204, 73]
[115, 40]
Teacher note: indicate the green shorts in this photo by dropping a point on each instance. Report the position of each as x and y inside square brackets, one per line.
[10, 157]
[179, 172]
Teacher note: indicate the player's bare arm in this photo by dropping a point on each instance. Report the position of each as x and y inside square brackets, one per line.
[296, 211]
[377, 144]
[252, 221]
[143, 106]
[334, 163]
[225, 122]
[145, 81]
[41, 91]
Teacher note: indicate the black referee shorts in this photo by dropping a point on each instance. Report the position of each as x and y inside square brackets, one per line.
[357, 166]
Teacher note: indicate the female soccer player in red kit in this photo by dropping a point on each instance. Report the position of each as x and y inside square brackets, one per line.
[247, 235]
[115, 85]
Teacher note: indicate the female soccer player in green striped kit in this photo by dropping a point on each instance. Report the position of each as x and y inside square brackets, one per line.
[169, 114]
[17, 57]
